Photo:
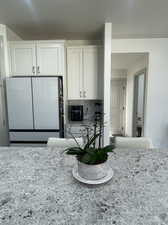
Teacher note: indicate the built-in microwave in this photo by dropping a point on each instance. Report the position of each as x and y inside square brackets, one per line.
[75, 112]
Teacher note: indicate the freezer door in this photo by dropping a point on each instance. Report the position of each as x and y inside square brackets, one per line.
[19, 103]
[33, 136]
[46, 103]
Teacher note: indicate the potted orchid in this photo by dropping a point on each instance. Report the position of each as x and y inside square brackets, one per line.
[91, 157]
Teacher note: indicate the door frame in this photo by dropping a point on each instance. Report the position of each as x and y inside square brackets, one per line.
[135, 95]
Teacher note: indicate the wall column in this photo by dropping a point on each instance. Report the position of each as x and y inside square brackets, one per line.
[107, 79]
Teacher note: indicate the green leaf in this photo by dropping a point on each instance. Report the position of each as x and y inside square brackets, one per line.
[101, 155]
[74, 151]
[94, 158]
[108, 148]
[86, 158]
[90, 151]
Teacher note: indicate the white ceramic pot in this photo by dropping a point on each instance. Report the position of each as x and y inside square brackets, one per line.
[92, 172]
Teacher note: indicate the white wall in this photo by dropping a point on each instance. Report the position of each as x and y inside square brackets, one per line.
[107, 83]
[119, 73]
[5, 35]
[134, 68]
[140, 106]
[3, 119]
[156, 125]
[4, 46]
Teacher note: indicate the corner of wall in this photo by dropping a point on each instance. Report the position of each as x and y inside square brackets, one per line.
[11, 35]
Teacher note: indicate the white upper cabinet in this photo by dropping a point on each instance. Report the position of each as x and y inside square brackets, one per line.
[23, 59]
[74, 59]
[50, 58]
[37, 58]
[83, 72]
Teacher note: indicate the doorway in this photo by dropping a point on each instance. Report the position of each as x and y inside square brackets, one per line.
[128, 77]
[139, 103]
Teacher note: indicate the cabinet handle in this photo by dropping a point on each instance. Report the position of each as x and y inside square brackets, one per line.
[33, 69]
[80, 94]
[38, 69]
[84, 94]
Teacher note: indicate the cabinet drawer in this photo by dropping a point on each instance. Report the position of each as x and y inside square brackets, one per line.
[31, 136]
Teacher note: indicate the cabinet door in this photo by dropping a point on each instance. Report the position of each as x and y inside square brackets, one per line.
[74, 63]
[50, 59]
[23, 59]
[90, 72]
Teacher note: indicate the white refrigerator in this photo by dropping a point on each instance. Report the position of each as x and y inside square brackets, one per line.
[35, 108]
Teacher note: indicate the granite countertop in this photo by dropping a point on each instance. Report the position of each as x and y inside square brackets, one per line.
[37, 188]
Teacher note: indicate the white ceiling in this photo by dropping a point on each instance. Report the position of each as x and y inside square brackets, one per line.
[125, 60]
[84, 19]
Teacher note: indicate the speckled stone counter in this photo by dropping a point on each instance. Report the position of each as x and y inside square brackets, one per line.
[37, 188]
